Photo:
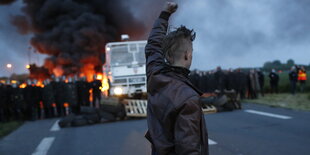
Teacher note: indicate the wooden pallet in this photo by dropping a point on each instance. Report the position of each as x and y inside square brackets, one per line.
[137, 108]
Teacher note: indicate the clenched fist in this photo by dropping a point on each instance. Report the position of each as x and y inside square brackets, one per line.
[171, 7]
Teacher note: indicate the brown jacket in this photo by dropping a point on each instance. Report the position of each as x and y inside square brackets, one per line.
[175, 120]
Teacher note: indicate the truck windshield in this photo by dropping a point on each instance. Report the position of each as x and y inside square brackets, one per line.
[127, 54]
[120, 55]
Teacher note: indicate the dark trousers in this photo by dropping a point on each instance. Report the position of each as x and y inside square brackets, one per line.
[302, 85]
[274, 87]
[293, 87]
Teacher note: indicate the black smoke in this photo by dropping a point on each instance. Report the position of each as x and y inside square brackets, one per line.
[4, 2]
[74, 32]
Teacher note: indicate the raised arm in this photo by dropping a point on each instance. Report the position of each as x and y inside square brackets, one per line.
[153, 50]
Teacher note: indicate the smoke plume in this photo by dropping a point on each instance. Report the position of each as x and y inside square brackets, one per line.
[74, 32]
[4, 2]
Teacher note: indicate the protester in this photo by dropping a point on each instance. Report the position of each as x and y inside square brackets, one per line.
[293, 77]
[302, 78]
[175, 120]
[274, 80]
[261, 80]
[220, 79]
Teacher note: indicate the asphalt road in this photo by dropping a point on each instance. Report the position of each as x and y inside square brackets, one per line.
[255, 130]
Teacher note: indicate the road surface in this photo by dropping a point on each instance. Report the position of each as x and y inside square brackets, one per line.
[254, 130]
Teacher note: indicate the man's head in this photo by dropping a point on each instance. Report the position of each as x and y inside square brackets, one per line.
[178, 47]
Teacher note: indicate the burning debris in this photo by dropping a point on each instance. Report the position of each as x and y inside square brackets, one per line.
[74, 32]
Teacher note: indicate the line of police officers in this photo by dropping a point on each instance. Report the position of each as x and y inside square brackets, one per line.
[57, 98]
[248, 84]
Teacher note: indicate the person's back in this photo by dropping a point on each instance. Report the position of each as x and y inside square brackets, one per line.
[175, 119]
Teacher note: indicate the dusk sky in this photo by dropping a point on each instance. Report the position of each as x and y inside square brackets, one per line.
[230, 33]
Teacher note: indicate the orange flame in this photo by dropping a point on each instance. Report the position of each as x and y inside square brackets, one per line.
[104, 83]
[40, 84]
[91, 95]
[23, 85]
[66, 105]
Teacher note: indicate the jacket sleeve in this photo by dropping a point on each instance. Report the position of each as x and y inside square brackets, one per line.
[187, 129]
[153, 49]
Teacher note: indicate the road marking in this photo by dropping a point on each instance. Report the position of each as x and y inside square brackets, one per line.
[268, 114]
[55, 127]
[211, 142]
[44, 145]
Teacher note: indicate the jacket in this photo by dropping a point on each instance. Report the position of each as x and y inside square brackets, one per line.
[175, 119]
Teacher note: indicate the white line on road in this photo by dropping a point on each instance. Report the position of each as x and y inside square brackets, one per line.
[211, 142]
[44, 145]
[55, 127]
[268, 114]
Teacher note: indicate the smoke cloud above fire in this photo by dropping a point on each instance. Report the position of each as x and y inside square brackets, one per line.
[74, 32]
[230, 33]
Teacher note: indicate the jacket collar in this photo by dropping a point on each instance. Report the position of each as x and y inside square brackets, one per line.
[182, 74]
[181, 70]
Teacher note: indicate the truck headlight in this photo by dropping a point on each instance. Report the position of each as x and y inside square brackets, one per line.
[118, 90]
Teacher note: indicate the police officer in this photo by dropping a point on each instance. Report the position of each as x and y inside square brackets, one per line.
[231, 80]
[17, 101]
[293, 77]
[72, 95]
[4, 103]
[274, 80]
[96, 85]
[241, 83]
[261, 81]
[29, 97]
[60, 96]
[212, 82]
[220, 79]
[83, 92]
[48, 98]
[302, 78]
[1, 102]
[194, 78]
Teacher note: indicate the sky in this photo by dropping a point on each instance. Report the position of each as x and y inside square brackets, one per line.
[230, 33]
[14, 48]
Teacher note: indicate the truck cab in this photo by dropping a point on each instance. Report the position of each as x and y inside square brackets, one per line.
[125, 68]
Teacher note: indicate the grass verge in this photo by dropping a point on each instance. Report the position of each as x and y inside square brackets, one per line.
[7, 127]
[285, 100]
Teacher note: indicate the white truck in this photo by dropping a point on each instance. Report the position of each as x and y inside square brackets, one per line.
[125, 68]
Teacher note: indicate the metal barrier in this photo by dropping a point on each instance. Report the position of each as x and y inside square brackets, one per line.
[137, 108]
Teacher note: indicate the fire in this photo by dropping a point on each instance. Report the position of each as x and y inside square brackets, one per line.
[40, 84]
[58, 71]
[23, 85]
[88, 71]
[91, 95]
[99, 77]
[104, 81]
[105, 84]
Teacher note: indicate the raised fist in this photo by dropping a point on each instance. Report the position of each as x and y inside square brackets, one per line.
[171, 7]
